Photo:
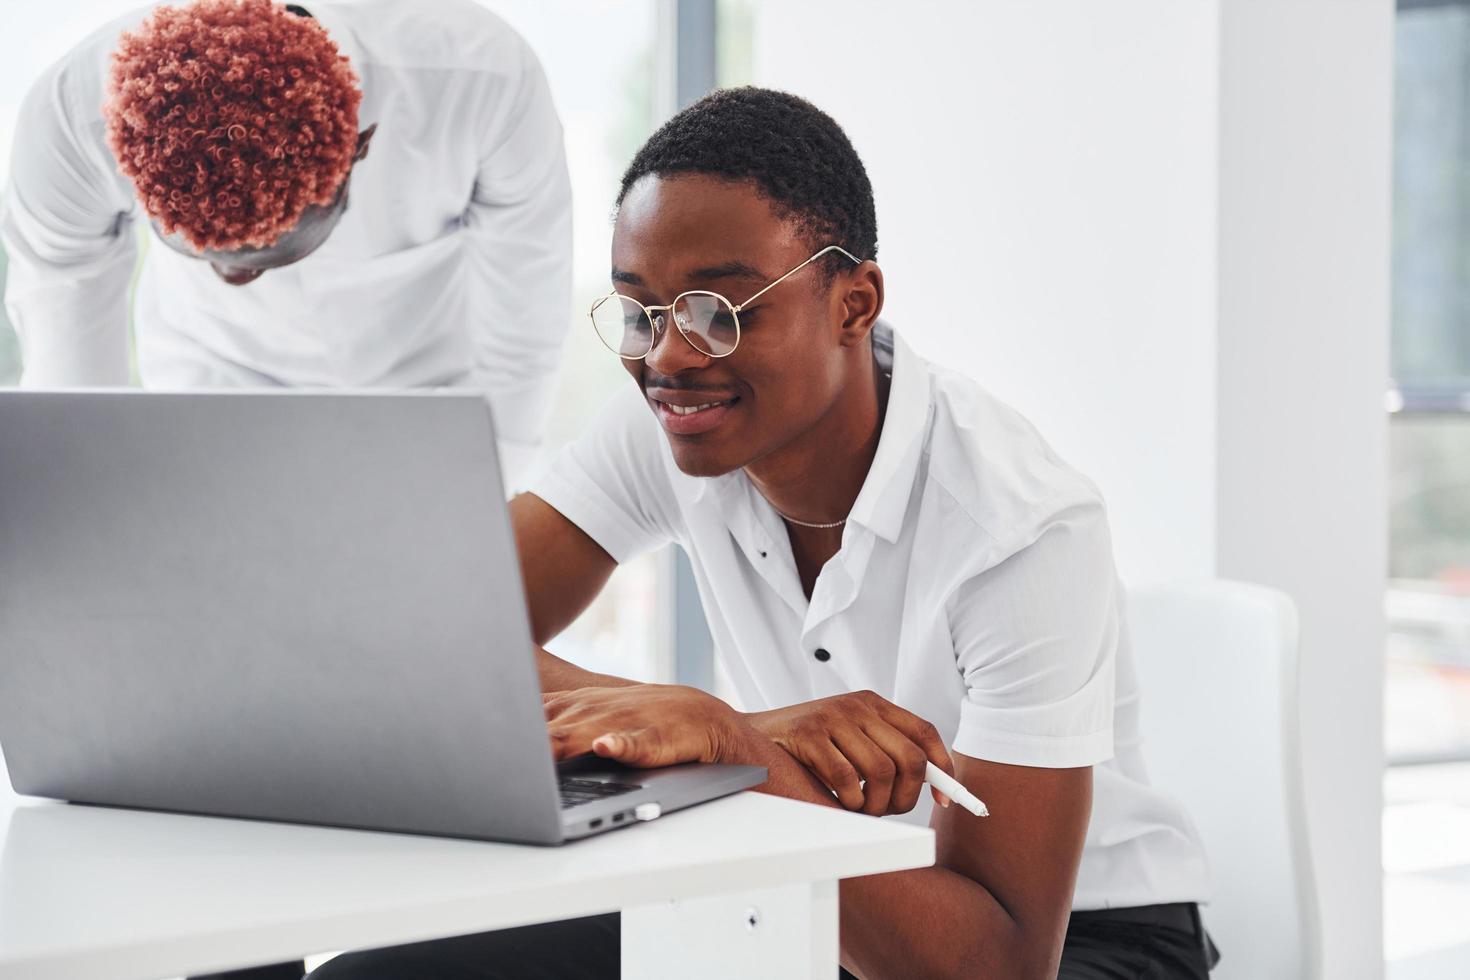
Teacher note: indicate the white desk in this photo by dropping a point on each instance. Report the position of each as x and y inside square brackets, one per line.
[114, 894]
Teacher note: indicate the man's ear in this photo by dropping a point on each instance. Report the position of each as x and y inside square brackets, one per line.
[363, 139]
[862, 301]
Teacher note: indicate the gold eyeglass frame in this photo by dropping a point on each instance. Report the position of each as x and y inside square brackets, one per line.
[656, 322]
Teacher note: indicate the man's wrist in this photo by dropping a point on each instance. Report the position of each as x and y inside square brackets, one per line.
[740, 743]
[744, 744]
[753, 719]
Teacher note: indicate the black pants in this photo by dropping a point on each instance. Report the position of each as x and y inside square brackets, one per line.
[1159, 942]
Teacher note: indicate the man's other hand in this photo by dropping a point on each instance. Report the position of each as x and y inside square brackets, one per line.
[868, 751]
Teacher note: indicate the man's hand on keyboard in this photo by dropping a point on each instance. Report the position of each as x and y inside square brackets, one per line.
[646, 725]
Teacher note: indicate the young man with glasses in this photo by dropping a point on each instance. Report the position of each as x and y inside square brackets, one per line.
[891, 562]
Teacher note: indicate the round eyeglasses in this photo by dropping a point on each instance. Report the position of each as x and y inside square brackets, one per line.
[707, 320]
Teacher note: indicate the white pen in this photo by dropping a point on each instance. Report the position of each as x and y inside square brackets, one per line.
[951, 787]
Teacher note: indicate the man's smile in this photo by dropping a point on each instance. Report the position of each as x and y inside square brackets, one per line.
[686, 413]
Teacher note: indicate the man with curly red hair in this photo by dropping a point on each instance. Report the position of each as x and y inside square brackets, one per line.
[235, 128]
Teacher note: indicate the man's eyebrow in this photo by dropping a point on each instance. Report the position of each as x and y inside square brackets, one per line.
[727, 270]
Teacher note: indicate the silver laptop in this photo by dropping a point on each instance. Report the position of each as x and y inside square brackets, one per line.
[287, 606]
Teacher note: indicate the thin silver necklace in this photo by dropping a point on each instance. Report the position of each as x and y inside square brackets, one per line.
[792, 520]
[819, 527]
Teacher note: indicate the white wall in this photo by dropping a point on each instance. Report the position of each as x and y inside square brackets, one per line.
[1160, 228]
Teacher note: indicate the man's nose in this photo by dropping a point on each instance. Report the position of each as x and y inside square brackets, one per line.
[672, 352]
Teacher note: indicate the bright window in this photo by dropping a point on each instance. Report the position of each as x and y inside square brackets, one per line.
[602, 76]
[1426, 820]
[1428, 695]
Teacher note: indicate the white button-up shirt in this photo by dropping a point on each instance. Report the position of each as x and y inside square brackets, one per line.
[451, 266]
[975, 587]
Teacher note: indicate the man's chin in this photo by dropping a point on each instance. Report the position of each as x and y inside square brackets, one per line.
[702, 462]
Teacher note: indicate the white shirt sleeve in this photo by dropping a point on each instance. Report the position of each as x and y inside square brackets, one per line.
[1035, 638]
[67, 233]
[614, 482]
[519, 223]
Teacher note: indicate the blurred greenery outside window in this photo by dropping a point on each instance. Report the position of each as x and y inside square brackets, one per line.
[1428, 691]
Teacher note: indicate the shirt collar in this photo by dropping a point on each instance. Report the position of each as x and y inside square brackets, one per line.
[884, 498]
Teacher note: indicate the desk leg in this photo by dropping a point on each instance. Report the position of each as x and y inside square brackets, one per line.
[784, 933]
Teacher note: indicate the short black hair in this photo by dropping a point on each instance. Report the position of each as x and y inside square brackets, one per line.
[796, 155]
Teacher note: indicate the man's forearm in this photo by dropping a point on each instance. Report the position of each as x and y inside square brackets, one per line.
[559, 675]
[930, 922]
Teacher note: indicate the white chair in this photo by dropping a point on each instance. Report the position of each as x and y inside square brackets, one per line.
[1217, 667]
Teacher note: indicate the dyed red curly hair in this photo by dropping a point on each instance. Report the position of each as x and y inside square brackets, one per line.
[231, 117]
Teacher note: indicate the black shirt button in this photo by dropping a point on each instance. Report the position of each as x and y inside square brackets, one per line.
[822, 655]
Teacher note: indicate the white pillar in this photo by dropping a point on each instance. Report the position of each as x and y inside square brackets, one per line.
[1161, 230]
[1302, 366]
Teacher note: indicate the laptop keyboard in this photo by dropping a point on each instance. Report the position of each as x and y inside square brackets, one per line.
[575, 792]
